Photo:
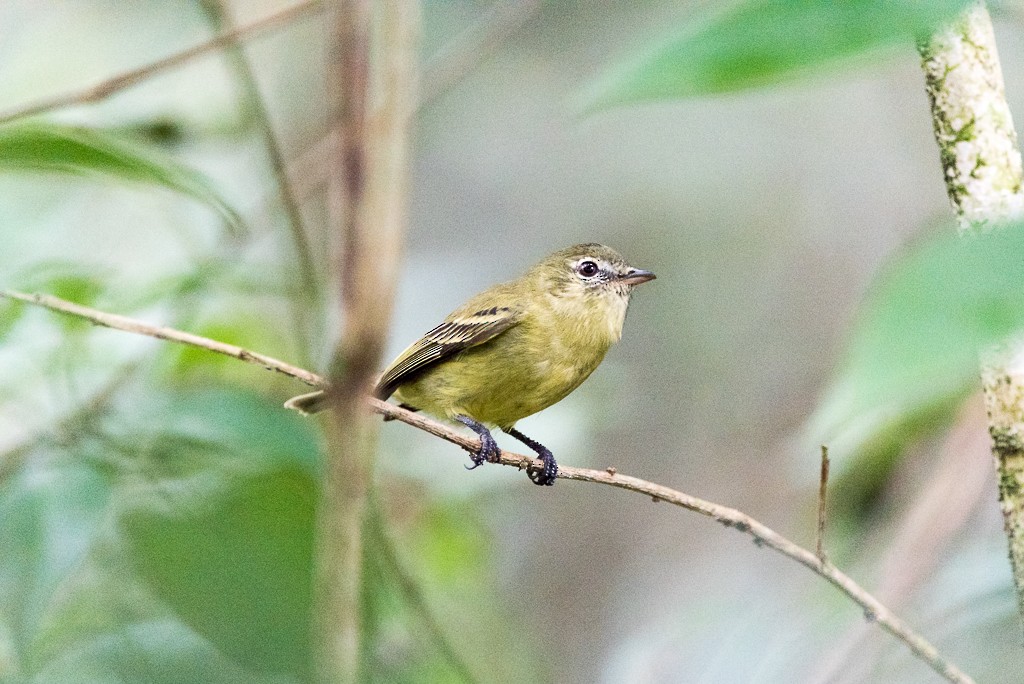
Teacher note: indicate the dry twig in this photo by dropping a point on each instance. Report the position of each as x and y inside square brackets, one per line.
[105, 89]
[459, 56]
[822, 491]
[940, 511]
[762, 535]
[308, 281]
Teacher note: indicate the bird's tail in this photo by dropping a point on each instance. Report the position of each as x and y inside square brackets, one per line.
[307, 404]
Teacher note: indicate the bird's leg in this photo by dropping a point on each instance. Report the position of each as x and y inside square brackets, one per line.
[488, 450]
[547, 474]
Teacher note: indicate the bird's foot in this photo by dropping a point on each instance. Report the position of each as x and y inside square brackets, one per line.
[488, 450]
[548, 472]
[487, 453]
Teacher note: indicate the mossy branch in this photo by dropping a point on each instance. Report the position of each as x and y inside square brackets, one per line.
[982, 167]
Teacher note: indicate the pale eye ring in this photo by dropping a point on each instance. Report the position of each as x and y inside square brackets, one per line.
[587, 269]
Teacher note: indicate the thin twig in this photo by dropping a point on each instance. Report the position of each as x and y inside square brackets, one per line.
[822, 490]
[309, 282]
[109, 320]
[940, 511]
[442, 71]
[414, 596]
[762, 535]
[127, 79]
[459, 56]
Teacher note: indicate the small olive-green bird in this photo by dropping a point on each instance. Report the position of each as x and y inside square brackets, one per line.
[514, 349]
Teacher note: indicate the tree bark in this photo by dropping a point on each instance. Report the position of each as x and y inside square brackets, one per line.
[982, 166]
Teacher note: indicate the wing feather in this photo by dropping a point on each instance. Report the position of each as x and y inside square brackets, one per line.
[454, 335]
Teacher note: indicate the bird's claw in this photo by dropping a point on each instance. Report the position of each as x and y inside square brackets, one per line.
[487, 453]
[546, 475]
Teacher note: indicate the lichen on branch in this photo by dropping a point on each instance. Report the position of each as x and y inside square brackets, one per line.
[982, 168]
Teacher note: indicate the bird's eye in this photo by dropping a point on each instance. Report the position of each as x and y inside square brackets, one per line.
[587, 269]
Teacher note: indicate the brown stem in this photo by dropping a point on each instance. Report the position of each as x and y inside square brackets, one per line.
[822, 491]
[874, 610]
[372, 94]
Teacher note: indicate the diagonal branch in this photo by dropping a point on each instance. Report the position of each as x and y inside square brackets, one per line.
[308, 281]
[462, 54]
[109, 320]
[874, 610]
[407, 583]
[123, 81]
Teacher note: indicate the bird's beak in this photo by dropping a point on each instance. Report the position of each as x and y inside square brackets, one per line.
[635, 276]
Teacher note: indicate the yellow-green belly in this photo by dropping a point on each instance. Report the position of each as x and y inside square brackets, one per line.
[517, 374]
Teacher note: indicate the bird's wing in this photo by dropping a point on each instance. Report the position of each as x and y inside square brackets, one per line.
[459, 331]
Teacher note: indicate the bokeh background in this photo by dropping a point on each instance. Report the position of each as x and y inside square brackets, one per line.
[765, 215]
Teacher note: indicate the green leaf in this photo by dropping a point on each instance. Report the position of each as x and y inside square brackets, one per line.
[11, 312]
[63, 149]
[758, 42]
[914, 348]
[170, 555]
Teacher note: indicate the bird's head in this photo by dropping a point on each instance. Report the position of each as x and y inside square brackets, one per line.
[589, 272]
[590, 285]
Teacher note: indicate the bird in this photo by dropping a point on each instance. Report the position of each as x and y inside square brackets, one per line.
[514, 349]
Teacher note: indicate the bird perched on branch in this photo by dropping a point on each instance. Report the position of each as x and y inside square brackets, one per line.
[514, 349]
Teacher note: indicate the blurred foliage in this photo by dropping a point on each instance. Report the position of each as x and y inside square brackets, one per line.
[173, 542]
[423, 617]
[168, 537]
[63, 149]
[913, 351]
[758, 42]
[173, 546]
[863, 465]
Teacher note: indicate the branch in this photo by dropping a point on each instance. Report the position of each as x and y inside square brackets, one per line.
[462, 54]
[105, 89]
[762, 535]
[308, 281]
[109, 320]
[371, 73]
[982, 168]
[822, 491]
[942, 508]
[451, 63]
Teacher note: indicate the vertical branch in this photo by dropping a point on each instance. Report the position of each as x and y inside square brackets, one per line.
[373, 95]
[822, 498]
[982, 165]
